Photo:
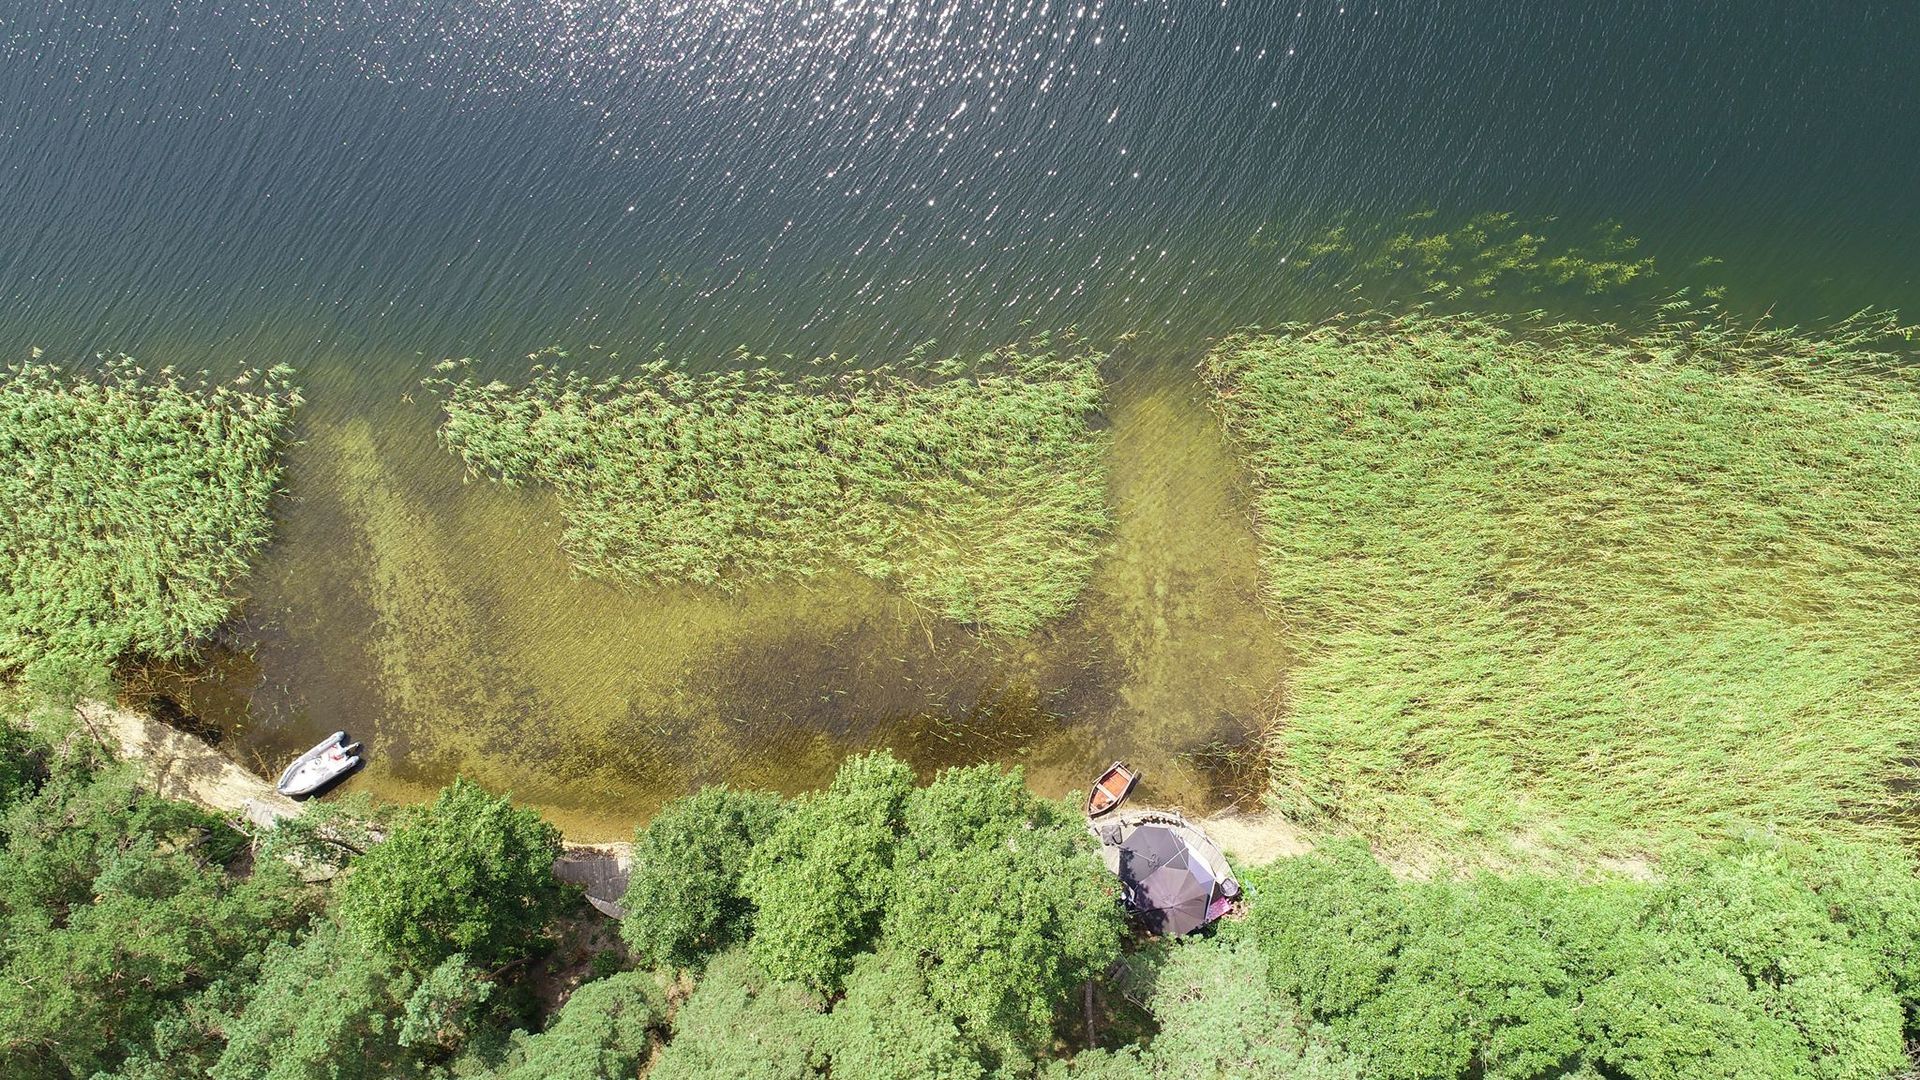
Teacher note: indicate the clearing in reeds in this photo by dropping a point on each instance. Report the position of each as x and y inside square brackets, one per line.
[977, 487]
[1562, 591]
[130, 501]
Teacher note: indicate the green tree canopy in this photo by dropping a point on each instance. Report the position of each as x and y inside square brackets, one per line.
[605, 1029]
[820, 879]
[18, 768]
[469, 873]
[1333, 923]
[1761, 960]
[117, 919]
[887, 1028]
[324, 1009]
[684, 898]
[1220, 1019]
[999, 896]
[739, 1023]
[1477, 986]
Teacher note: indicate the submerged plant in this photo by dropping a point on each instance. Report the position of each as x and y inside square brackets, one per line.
[1591, 589]
[977, 487]
[129, 504]
[1497, 255]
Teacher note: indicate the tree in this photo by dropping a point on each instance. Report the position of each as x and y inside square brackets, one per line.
[606, 1029]
[1873, 894]
[684, 898]
[820, 879]
[1221, 1020]
[739, 1023]
[1477, 987]
[18, 769]
[327, 835]
[1124, 1063]
[887, 1028]
[468, 874]
[117, 920]
[1000, 898]
[324, 1009]
[440, 1010]
[1668, 1015]
[1748, 909]
[1759, 960]
[1331, 924]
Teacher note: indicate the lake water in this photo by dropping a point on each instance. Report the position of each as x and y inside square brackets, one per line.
[361, 187]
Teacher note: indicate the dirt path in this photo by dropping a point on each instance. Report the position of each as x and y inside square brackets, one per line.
[1255, 839]
[183, 767]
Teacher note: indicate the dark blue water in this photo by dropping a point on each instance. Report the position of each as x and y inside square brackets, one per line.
[359, 187]
[814, 176]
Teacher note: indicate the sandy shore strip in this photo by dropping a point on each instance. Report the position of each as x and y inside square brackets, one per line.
[184, 767]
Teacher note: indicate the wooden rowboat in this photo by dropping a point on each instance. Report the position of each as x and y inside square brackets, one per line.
[1111, 789]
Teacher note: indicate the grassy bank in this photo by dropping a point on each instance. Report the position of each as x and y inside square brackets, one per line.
[130, 502]
[978, 487]
[1563, 592]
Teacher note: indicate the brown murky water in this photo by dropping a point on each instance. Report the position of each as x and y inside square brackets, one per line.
[435, 617]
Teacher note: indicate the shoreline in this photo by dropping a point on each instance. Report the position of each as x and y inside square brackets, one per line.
[187, 768]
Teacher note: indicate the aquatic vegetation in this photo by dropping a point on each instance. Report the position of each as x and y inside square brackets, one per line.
[130, 501]
[1564, 592]
[1491, 255]
[977, 487]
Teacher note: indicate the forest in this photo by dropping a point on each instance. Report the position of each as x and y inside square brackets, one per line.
[880, 928]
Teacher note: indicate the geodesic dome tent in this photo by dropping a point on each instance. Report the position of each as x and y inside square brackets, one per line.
[1173, 879]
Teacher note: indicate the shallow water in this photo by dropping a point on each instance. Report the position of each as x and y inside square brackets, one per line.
[443, 616]
[359, 188]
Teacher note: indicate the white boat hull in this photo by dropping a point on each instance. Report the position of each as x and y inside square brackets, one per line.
[319, 766]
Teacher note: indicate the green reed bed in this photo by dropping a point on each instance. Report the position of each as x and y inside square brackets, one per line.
[130, 502]
[977, 487]
[1565, 591]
